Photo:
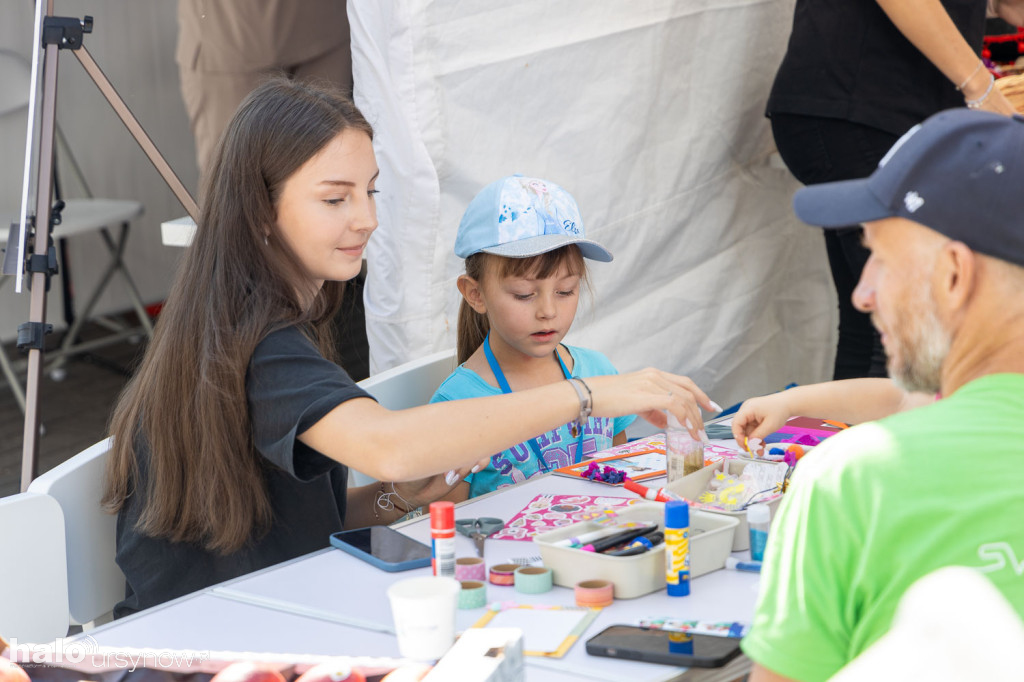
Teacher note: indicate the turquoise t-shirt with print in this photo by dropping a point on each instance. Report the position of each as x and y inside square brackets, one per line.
[880, 505]
[558, 447]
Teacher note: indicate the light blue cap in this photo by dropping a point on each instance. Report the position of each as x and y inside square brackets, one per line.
[518, 217]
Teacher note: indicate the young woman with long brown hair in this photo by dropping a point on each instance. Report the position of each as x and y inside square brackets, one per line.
[232, 441]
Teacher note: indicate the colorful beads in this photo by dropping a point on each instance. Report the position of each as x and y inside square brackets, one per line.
[604, 474]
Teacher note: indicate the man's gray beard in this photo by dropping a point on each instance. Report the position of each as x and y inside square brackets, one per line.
[922, 366]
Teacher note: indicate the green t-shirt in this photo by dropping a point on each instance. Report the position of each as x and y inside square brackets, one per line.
[876, 507]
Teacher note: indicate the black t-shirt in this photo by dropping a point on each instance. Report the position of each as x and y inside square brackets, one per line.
[847, 60]
[289, 387]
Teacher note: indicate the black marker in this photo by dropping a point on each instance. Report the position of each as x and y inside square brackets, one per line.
[639, 545]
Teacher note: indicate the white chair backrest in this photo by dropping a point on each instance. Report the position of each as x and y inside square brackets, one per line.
[95, 583]
[405, 386]
[34, 570]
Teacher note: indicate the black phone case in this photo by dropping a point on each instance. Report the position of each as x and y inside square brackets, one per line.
[597, 649]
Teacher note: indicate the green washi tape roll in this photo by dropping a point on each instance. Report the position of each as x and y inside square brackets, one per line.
[533, 579]
[473, 594]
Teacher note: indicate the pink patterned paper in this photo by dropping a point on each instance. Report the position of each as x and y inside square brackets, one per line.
[712, 451]
[655, 442]
[716, 451]
[548, 512]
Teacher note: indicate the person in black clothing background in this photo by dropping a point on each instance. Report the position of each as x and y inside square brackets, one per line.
[857, 74]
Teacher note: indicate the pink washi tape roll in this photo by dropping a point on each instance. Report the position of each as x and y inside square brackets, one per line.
[503, 574]
[594, 593]
[470, 568]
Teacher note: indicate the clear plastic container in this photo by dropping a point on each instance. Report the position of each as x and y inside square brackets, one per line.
[684, 454]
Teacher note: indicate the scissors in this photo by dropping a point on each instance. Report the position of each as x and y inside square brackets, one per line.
[479, 529]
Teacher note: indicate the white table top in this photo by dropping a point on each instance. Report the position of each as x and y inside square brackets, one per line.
[178, 232]
[204, 621]
[330, 602]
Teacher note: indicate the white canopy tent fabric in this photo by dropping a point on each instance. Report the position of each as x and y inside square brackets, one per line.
[650, 112]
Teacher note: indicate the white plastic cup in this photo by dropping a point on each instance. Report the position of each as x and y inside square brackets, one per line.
[424, 613]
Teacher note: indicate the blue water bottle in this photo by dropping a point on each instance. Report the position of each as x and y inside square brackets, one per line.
[759, 518]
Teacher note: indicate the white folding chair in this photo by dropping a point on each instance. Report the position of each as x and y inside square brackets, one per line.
[80, 215]
[951, 625]
[34, 571]
[406, 386]
[95, 582]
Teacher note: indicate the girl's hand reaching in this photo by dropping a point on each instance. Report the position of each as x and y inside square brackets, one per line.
[759, 417]
[648, 393]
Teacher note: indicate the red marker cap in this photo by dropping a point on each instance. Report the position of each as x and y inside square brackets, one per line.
[442, 515]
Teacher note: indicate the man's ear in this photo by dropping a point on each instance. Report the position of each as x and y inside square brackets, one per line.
[470, 290]
[956, 272]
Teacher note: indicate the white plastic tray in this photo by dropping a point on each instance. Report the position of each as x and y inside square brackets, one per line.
[640, 574]
[692, 485]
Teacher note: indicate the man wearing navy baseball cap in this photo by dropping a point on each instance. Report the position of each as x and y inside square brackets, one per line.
[882, 504]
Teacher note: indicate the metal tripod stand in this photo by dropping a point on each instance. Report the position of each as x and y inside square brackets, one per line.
[52, 35]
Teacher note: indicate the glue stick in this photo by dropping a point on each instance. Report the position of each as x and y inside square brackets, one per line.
[677, 548]
[442, 538]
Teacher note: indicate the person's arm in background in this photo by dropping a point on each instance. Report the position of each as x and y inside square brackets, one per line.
[1010, 11]
[853, 401]
[761, 674]
[927, 25]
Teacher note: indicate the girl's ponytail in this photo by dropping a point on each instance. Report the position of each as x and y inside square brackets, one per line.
[471, 332]
[472, 326]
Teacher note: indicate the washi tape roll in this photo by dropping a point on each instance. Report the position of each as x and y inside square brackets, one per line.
[473, 594]
[533, 579]
[503, 574]
[470, 568]
[594, 593]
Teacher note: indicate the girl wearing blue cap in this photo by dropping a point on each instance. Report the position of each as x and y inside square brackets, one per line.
[524, 246]
[233, 440]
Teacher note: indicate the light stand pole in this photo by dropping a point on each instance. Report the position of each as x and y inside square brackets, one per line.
[64, 33]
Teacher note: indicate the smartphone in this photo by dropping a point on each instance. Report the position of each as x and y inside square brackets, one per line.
[384, 547]
[663, 646]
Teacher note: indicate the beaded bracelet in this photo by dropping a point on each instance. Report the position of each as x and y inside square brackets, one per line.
[586, 405]
[976, 103]
[384, 501]
[973, 74]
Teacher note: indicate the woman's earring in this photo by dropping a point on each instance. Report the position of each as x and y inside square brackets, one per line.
[266, 242]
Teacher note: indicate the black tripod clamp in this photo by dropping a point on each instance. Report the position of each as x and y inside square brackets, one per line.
[32, 334]
[45, 264]
[65, 32]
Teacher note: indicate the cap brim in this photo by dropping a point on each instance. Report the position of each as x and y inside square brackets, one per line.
[839, 204]
[534, 246]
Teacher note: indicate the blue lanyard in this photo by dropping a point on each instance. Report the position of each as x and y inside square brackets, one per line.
[499, 376]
